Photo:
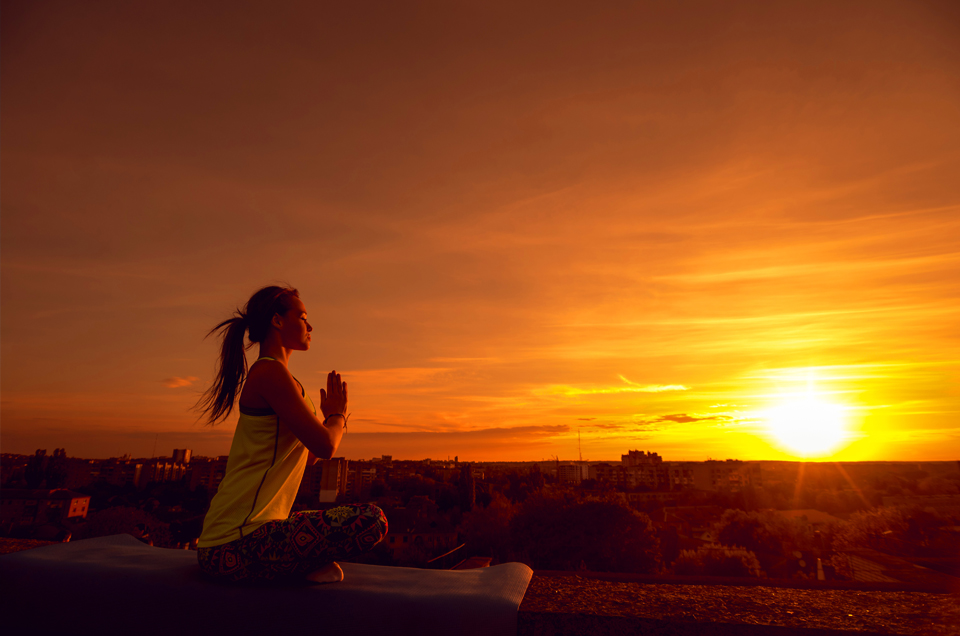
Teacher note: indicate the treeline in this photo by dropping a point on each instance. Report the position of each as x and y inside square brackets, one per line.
[560, 531]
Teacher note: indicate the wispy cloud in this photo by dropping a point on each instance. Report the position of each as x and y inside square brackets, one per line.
[653, 388]
[632, 387]
[686, 418]
[176, 382]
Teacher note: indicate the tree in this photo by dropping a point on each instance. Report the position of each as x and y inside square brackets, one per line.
[519, 490]
[33, 473]
[466, 488]
[560, 533]
[378, 489]
[486, 531]
[484, 498]
[910, 531]
[446, 497]
[719, 561]
[56, 471]
[868, 528]
[761, 532]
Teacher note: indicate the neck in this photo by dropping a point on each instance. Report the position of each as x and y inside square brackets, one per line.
[271, 348]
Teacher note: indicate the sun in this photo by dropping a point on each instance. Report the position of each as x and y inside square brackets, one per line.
[808, 426]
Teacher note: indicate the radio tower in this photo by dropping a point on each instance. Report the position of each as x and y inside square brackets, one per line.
[579, 449]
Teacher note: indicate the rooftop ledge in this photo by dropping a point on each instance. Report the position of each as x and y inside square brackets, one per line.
[605, 604]
[110, 585]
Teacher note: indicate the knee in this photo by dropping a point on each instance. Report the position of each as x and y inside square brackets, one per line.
[374, 513]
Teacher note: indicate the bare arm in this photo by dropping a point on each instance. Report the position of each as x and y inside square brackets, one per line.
[278, 389]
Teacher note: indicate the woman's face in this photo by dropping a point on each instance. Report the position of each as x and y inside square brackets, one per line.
[294, 327]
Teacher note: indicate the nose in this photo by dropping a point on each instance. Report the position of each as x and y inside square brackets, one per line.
[309, 327]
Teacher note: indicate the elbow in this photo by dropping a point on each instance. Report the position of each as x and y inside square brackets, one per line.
[321, 454]
[323, 451]
[322, 444]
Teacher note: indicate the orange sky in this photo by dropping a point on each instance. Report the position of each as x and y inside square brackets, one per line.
[648, 222]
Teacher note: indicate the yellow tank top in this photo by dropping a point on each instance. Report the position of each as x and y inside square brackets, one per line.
[264, 471]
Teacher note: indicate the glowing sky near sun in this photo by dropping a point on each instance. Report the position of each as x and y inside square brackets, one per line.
[653, 222]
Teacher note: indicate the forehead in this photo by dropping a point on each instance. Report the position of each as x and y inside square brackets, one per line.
[296, 305]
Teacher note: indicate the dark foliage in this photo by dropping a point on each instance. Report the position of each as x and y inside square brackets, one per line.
[486, 530]
[33, 474]
[908, 531]
[718, 561]
[560, 533]
[754, 531]
[56, 471]
[467, 489]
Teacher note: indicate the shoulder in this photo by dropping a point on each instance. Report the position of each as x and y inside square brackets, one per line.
[268, 371]
[271, 379]
[270, 384]
[264, 380]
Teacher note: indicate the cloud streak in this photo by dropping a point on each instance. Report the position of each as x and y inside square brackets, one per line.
[178, 382]
[632, 387]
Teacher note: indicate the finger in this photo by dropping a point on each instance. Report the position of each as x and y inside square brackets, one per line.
[323, 396]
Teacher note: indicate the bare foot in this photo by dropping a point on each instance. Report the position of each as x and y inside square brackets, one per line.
[327, 574]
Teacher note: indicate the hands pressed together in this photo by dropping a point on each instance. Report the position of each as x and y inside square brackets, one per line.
[333, 400]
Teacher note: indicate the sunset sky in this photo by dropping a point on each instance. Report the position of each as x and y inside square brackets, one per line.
[654, 224]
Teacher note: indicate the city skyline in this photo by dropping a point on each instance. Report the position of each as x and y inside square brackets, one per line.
[704, 230]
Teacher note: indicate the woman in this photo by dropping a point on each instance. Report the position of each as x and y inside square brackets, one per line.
[248, 532]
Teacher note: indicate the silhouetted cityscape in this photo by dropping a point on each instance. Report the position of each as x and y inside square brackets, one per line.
[863, 521]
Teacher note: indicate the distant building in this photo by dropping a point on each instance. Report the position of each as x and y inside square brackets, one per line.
[573, 473]
[23, 507]
[334, 481]
[636, 469]
[730, 475]
[646, 471]
[161, 471]
[326, 480]
[360, 477]
[605, 472]
[182, 455]
[207, 472]
[639, 468]
[120, 472]
[637, 458]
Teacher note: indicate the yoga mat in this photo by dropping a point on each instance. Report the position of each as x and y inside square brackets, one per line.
[116, 584]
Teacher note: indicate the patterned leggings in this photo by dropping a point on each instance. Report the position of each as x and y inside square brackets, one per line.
[290, 548]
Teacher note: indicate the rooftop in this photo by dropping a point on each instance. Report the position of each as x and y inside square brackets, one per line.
[557, 603]
[618, 604]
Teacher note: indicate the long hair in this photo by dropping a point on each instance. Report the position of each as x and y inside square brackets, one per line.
[216, 403]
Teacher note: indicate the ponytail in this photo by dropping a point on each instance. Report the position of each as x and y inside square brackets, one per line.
[217, 401]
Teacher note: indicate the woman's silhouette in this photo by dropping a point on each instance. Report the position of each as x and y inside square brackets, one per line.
[248, 532]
